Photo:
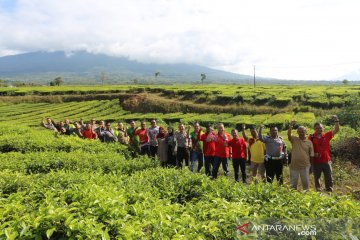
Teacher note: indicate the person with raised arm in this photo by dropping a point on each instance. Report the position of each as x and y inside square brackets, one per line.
[222, 151]
[196, 153]
[108, 134]
[322, 158]
[142, 133]
[257, 153]
[275, 149]
[302, 154]
[208, 139]
[89, 133]
[49, 124]
[133, 139]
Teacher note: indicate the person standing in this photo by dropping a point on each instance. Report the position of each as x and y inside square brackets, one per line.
[108, 134]
[171, 145]
[222, 151]
[133, 139]
[49, 124]
[153, 131]
[208, 139]
[301, 157]
[99, 130]
[93, 124]
[77, 130]
[69, 127]
[162, 147]
[322, 159]
[275, 154]
[238, 150]
[196, 153]
[61, 127]
[89, 133]
[142, 133]
[121, 134]
[182, 147]
[257, 153]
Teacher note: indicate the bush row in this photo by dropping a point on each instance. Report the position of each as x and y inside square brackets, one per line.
[160, 204]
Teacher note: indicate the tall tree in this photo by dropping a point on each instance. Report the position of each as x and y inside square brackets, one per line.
[203, 77]
[156, 75]
[58, 81]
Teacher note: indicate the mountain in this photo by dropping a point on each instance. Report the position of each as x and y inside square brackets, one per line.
[84, 67]
[352, 76]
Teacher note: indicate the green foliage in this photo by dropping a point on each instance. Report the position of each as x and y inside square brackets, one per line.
[57, 81]
[61, 187]
[350, 114]
[279, 120]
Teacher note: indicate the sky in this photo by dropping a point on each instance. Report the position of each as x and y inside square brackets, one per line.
[287, 39]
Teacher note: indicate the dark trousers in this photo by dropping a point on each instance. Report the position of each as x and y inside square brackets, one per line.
[326, 168]
[217, 162]
[145, 150]
[182, 154]
[196, 156]
[274, 167]
[153, 150]
[209, 162]
[239, 163]
[171, 157]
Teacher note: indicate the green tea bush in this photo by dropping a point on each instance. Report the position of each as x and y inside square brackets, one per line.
[279, 120]
[157, 203]
[24, 139]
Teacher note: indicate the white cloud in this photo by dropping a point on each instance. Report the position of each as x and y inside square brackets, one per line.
[284, 39]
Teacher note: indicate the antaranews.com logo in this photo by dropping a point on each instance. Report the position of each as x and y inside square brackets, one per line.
[300, 229]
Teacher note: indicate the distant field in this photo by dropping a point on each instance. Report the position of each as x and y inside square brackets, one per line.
[278, 96]
[231, 104]
[110, 110]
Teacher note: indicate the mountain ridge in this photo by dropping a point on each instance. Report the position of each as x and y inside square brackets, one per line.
[92, 65]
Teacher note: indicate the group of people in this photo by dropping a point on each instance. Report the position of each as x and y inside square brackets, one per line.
[197, 148]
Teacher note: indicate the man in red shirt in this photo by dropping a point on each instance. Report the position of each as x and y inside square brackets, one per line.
[89, 132]
[208, 140]
[222, 151]
[239, 148]
[322, 160]
[144, 139]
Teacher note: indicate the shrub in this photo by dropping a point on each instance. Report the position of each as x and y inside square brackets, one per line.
[347, 149]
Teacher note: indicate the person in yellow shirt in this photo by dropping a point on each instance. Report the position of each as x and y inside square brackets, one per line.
[257, 153]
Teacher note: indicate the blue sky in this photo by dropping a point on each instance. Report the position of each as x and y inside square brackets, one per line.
[8, 5]
[308, 39]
